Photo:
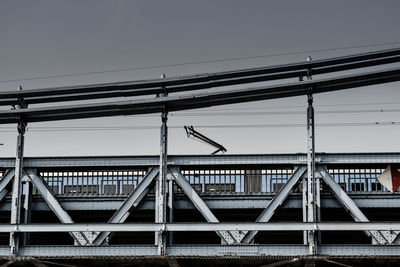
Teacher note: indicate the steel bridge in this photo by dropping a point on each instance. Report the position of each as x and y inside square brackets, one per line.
[197, 210]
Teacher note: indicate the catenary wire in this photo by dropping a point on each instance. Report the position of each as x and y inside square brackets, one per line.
[196, 62]
[226, 126]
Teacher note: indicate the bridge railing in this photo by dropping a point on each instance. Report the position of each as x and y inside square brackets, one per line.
[260, 180]
[358, 179]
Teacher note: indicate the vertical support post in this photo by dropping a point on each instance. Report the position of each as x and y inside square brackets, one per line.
[318, 205]
[311, 210]
[304, 202]
[27, 209]
[161, 195]
[17, 184]
[171, 207]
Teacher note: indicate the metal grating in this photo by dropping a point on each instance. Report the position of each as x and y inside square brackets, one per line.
[204, 181]
[95, 182]
[237, 180]
[358, 179]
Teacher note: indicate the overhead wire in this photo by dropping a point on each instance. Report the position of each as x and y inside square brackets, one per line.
[296, 112]
[222, 126]
[201, 100]
[302, 106]
[196, 62]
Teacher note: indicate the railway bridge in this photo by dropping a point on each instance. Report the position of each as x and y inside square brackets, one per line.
[251, 210]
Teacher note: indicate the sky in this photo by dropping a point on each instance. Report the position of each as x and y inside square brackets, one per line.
[53, 38]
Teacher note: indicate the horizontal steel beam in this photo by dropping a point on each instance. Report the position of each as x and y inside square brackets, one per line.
[238, 161]
[204, 251]
[201, 227]
[228, 202]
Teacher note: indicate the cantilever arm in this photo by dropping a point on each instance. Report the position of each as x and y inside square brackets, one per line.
[190, 131]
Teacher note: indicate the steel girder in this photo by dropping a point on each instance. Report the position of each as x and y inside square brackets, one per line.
[205, 160]
[200, 227]
[233, 201]
[41, 186]
[4, 181]
[277, 201]
[132, 201]
[204, 251]
[228, 237]
[349, 204]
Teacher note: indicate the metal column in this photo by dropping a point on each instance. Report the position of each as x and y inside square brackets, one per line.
[318, 205]
[27, 208]
[304, 205]
[17, 183]
[16, 191]
[161, 195]
[311, 209]
[171, 207]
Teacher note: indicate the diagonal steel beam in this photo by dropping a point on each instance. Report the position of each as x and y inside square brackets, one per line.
[349, 204]
[54, 205]
[277, 201]
[132, 201]
[5, 180]
[199, 203]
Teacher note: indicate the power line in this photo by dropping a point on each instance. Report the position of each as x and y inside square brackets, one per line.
[224, 126]
[267, 113]
[302, 106]
[297, 112]
[196, 62]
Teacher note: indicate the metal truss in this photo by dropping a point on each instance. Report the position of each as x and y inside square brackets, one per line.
[237, 234]
[381, 237]
[5, 180]
[228, 237]
[275, 203]
[91, 239]
[132, 201]
[80, 238]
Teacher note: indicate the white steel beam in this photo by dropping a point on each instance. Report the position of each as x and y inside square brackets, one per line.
[192, 160]
[27, 209]
[199, 203]
[161, 185]
[276, 202]
[132, 201]
[54, 205]
[4, 181]
[171, 207]
[206, 251]
[349, 204]
[16, 189]
[200, 227]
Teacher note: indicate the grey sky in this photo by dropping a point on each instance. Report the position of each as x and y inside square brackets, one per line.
[41, 38]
